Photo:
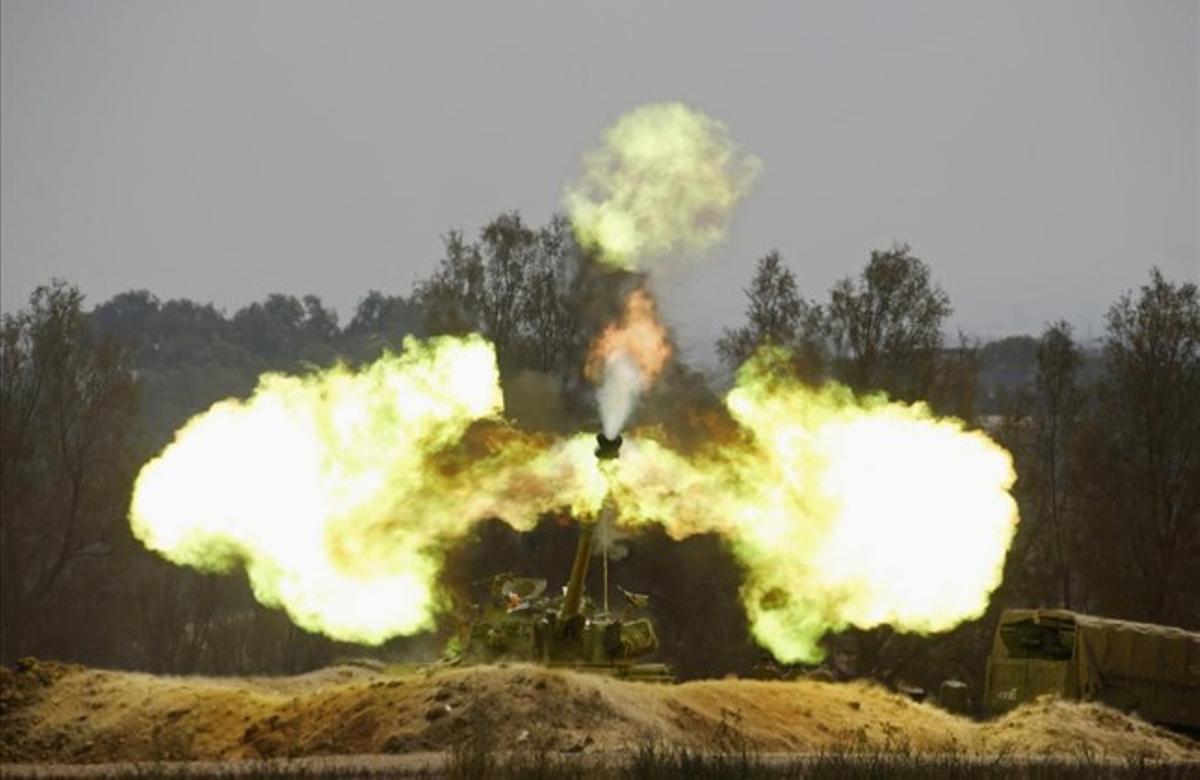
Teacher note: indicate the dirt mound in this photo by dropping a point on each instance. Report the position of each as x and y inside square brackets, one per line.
[1052, 726]
[69, 714]
[20, 685]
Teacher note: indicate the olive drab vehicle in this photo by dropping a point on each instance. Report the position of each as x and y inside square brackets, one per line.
[1137, 667]
[520, 621]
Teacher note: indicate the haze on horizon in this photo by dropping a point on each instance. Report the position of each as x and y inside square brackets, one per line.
[1041, 157]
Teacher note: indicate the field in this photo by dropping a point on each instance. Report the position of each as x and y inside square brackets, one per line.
[359, 720]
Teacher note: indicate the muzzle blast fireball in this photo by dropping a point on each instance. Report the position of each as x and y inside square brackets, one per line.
[340, 492]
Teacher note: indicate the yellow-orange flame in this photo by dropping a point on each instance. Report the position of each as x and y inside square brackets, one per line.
[638, 335]
[626, 358]
[843, 510]
[340, 493]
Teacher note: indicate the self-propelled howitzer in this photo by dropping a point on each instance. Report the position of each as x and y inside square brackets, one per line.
[520, 622]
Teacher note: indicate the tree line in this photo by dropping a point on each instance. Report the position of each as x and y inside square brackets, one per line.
[1106, 444]
[1104, 441]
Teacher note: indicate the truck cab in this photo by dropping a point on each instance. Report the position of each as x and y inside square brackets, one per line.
[1136, 667]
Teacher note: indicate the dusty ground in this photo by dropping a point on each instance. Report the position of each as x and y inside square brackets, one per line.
[52, 713]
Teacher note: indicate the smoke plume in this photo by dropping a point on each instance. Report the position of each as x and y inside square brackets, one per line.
[665, 182]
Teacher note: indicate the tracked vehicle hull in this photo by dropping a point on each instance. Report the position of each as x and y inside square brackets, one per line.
[519, 624]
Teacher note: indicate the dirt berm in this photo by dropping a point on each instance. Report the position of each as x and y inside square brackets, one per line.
[57, 713]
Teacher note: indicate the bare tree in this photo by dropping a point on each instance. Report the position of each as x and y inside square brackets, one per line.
[776, 315]
[1143, 453]
[381, 322]
[513, 285]
[452, 297]
[886, 325]
[1046, 442]
[66, 403]
[552, 324]
[508, 248]
[1060, 404]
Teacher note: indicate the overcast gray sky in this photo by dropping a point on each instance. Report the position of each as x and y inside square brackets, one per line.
[1042, 156]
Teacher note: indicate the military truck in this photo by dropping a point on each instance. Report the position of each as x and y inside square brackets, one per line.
[1136, 667]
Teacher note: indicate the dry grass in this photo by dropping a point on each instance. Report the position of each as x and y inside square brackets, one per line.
[531, 721]
[643, 761]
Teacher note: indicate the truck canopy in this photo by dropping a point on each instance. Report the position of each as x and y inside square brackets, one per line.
[1104, 648]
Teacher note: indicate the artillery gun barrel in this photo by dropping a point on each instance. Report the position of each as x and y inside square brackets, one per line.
[583, 553]
[606, 449]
